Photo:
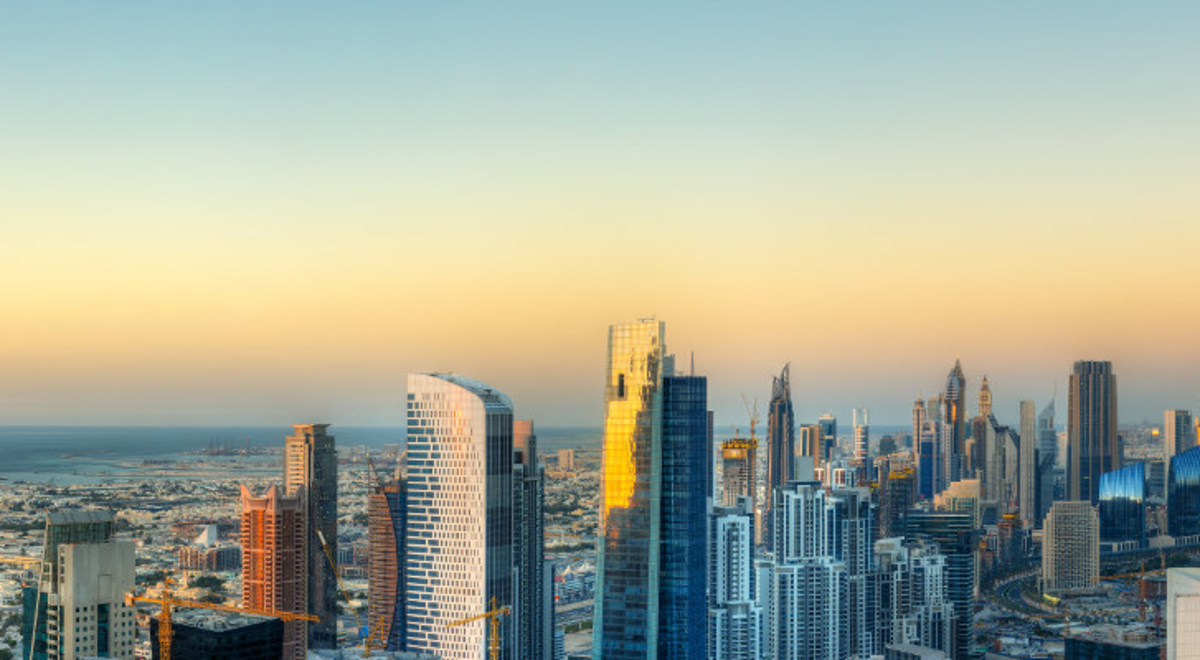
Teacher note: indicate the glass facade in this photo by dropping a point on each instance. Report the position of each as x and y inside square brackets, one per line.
[1183, 494]
[1092, 447]
[682, 587]
[954, 534]
[781, 442]
[1123, 504]
[458, 547]
[626, 613]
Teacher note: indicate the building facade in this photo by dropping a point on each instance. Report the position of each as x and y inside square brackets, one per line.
[735, 618]
[912, 606]
[458, 552]
[954, 534]
[1092, 446]
[310, 464]
[1123, 505]
[533, 613]
[1070, 548]
[1183, 494]
[1183, 614]
[204, 634]
[1027, 486]
[781, 443]
[275, 559]
[738, 462]
[387, 527]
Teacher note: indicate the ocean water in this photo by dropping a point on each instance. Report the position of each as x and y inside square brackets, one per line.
[81, 454]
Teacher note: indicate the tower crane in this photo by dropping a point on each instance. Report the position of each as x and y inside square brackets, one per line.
[493, 618]
[169, 602]
[752, 411]
[375, 638]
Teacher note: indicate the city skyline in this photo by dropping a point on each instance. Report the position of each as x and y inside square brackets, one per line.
[207, 205]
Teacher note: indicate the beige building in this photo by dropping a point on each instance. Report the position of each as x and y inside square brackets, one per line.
[1070, 548]
[1183, 614]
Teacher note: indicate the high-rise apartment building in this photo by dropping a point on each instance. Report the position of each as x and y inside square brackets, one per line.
[853, 544]
[310, 463]
[912, 606]
[1092, 447]
[274, 560]
[781, 443]
[862, 434]
[1179, 433]
[1027, 482]
[1183, 495]
[735, 618]
[1123, 505]
[899, 495]
[807, 614]
[651, 592]
[954, 533]
[387, 527]
[534, 609]
[458, 552]
[1071, 548]
[78, 608]
[929, 459]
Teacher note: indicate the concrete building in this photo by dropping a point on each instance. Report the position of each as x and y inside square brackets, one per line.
[1183, 614]
[458, 552]
[781, 443]
[204, 634]
[954, 532]
[1071, 548]
[1092, 445]
[566, 459]
[738, 461]
[274, 560]
[310, 464]
[1027, 480]
[78, 608]
[533, 612]
[912, 606]
[735, 617]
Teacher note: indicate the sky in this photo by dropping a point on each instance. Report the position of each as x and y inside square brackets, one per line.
[244, 213]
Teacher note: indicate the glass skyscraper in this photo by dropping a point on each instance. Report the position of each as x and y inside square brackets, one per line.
[458, 551]
[1183, 494]
[954, 534]
[1092, 447]
[651, 599]
[1123, 504]
[683, 605]
[781, 443]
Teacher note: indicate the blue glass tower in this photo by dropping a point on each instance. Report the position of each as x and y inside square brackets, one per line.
[1123, 504]
[682, 608]
[1183, 494]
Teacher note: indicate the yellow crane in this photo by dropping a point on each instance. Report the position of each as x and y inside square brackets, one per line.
[169, 602]
[493, 618]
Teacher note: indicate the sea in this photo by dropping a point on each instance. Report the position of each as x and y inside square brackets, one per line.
[93, 454]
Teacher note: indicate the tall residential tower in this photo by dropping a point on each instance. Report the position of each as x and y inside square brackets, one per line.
[310, 464]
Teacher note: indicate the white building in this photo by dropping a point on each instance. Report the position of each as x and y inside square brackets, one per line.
[912, 603]
[1183, 614]
[734, 617]
[459, 552]
[1071, 548]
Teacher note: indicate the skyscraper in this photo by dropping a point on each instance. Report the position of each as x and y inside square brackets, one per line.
[899, 495]
[1183, 494]
[954, 426]
[1179, 433]
[807, 611]
[954, 534]
[735, 618]
[738, 460]
[1047, 458]
[1092, 447]
[918, 420]
[651, 593]
[310, 463]
[811, 444]
[862, 434]
[459, 547]
[274, 560]
[854, 545]
[78, 608]
[1028, 479]
[911, 599]
[781, 442]
[929, 459]
[387, 528]
[1071, 548]
[683, 600]
[533, 612]
[829, 431]
[1123, 505]
[985, 398]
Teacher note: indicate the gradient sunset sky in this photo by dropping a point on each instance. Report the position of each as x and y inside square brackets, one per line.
[268, 212]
